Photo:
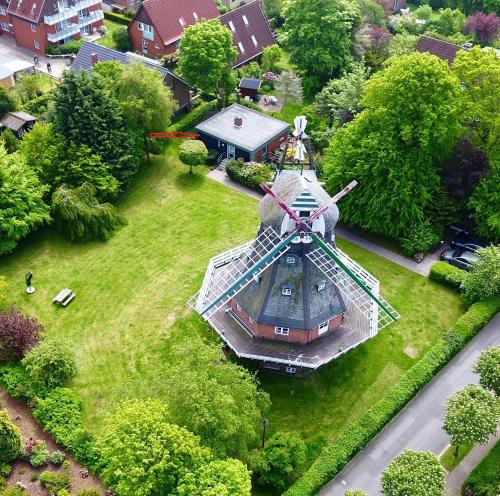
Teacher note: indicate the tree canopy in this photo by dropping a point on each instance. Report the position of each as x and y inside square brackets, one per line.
[206, 55]
[483, 280]
[312, 28]
[10, 439]
[145, 455]
[418, 473]
[396, 146]
[22, 208]
[488, 368]
[289, 87]
[193, 153]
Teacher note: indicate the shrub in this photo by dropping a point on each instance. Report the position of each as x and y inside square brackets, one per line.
[38, 106]
[121, 39]
[192, 153]
[17, 334]
[447, 274]
[420, 239]
[10, 439]
[60, 413]
[284, 454]
[7, 104]
[39, 454]
[483, 280]
[355, 437]
[5, 469]
[72, 46]
[113, 16]
[55, 482]
[18, 383]
[488, 368]
[89, 492]
[250, 174]
[10, 142]
[80, 216]
[57, 457]
[53, 50]
[84, 449]
[484, 480]
[51, 364]
[13, 491]
[202, 111]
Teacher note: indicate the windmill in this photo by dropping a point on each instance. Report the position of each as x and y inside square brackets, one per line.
[289, 278]
[300, 141]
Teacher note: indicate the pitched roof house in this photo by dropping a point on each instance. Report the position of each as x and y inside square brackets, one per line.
[91, 53]
[442, 49]
[158, 26]
[18, 122]
[35, 24]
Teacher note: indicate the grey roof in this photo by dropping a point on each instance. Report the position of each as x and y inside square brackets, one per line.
[294, 187]
[306, 307]
[257, 129]
[16, 120]
[83, 60]
[250, 83]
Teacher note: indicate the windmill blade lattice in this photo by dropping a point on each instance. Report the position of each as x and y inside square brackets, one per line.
[354, 293]
[233, 270]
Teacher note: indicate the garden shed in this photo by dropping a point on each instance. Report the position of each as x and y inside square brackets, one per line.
[240, 132]
[18, 122]
[249, 87]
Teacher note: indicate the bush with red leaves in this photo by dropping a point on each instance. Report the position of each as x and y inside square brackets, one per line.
[18, 334]
[485, 27]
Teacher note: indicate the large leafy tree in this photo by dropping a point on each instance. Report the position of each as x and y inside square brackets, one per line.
[147, 103]
[479, 73]
[7, 104]
[488, 368]
[227, 477]
[395, 147]
[86, 114]
[22, 208]
[319, 34]
[57, 161]
[418, 473]
[145, 455]
[217, 400]
[483, 281]
[206, 55]
[471, 416]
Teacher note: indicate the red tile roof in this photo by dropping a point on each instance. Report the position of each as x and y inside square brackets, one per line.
[165, 15]
[28, 9]
[442, 49]
[253, 35]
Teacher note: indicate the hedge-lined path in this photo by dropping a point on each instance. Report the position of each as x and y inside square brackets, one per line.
[459, 474]
[423, 268]
[418, 426]
[20, 414]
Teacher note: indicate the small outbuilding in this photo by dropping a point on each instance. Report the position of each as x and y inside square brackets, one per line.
[18, 122]
[6, 77]
[249, 87]
[240, 132]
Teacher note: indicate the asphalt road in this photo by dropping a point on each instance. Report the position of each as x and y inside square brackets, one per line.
[418, 426]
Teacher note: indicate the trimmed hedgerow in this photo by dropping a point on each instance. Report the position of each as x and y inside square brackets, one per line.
[353, 439]
[119, 18]
[484, 480]
[198, 114]
[447, 274]
[250, 174]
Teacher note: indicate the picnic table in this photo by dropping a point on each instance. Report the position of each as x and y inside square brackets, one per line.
[273, 100]
[64, 297]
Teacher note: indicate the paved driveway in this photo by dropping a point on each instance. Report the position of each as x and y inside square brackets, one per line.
[417, 427]
[10, 51]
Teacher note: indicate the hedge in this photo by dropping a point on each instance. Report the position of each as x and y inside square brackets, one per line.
[484, 480]
[447, 274]
[188, 121]
[249, 174]
[38, 106]
[119, 18]
[352, 440]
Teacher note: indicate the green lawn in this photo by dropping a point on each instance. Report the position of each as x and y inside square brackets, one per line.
[448, 459]
[132, 292]
[107, 39]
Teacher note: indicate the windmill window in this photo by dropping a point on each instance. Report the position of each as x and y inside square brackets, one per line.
[290, 260]
[238, 307]
[282, 331]
[321, 285]
[286, 290]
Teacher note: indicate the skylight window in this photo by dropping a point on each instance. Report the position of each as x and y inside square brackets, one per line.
[321, 285]
[254, 39]
[195, 15]
[240, 46]
[181, 22]
[231, 25]
[245, 19]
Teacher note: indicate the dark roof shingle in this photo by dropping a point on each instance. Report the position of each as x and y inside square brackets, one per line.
[442, 49]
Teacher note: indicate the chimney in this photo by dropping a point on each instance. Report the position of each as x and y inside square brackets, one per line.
[94, 58]
[238, 121]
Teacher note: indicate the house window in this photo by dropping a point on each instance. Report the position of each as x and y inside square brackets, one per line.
[245, 20]
[36, 44]
[321, 285]
[286, 290]
[240, 46]
[144, 27]
[5, 26]
[290, 260]
[282, 331]
[291, 370]
[33, 27]
[2, 11]
[254, 39]
[231, 26]
[323, 327]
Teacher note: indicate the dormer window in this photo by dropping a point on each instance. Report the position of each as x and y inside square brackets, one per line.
[245, 19]
[321, 285]
[286, 290]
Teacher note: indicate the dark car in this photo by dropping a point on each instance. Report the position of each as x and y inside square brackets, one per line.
[462, 259]
[466, 242]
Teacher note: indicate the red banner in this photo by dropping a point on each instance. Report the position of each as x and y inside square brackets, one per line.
[173, 135]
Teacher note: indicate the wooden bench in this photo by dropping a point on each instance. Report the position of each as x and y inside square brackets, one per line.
[64, 297]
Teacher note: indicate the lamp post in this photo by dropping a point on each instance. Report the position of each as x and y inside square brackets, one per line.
[265, 423]
[29, 288]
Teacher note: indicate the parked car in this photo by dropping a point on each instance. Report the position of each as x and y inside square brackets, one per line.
[467, 242]
[462, 259]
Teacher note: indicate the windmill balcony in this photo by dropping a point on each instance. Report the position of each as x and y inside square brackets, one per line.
[70, 11]
[74, 28]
